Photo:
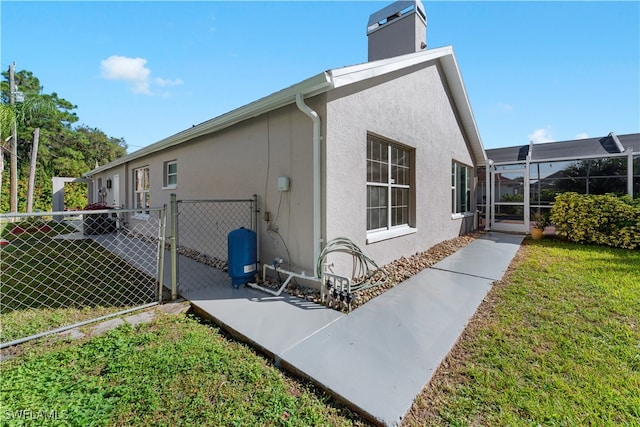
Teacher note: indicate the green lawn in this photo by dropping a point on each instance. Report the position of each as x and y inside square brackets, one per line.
[557, 344]
[174, 371]
[47, 283]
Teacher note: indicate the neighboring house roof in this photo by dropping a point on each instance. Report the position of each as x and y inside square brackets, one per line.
[609, 145]
[324, 82]
[508, 154]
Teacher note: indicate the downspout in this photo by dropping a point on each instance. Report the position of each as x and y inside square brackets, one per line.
[317, 154]
[488, 204]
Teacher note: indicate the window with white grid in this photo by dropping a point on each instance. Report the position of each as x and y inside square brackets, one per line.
[388, 185]
[170, 174]
[141, 194]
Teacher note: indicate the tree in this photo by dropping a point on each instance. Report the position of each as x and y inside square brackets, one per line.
[64, 150]
[7, 121]
[595, 176]
[33, 105]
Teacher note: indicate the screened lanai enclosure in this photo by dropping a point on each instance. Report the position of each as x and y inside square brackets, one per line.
[521, 180]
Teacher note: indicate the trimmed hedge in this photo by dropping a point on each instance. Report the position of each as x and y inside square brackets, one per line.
[601, 219]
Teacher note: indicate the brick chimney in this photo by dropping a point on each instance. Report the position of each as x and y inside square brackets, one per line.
[398, 29]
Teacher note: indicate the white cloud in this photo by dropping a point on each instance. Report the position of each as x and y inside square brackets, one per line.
[167, 82]
[135, 72]
[132, 70]
[541, 135]
[582, 135]
[503, 106]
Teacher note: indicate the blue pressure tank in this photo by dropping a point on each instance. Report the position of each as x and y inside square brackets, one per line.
[242, 255]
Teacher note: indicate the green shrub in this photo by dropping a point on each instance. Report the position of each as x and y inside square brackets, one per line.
[600, 219]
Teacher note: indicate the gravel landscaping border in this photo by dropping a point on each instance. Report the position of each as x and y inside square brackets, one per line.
[388, 275]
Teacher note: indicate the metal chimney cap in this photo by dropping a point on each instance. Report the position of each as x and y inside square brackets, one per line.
[393, 11]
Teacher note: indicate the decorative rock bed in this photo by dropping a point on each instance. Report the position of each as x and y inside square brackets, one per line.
[389, 275]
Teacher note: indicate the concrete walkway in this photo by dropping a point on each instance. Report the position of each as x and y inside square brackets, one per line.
[379, 357]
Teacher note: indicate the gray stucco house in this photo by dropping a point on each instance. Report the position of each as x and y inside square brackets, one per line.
[383, 153]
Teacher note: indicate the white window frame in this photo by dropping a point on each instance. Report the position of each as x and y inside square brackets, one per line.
[145, 191]
[391, 230]
[168, 175]
[456, 210]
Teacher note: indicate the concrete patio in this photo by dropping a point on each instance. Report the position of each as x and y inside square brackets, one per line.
[380, 356]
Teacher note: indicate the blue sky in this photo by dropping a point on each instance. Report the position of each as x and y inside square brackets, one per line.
[143, 71]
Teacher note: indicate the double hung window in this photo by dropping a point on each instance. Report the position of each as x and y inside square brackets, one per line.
[141, 194]
[170, 174]
[388, 185]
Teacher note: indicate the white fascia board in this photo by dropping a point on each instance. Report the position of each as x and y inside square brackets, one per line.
[456, 86]
[356, 73]
[309, 87]
[322, 83]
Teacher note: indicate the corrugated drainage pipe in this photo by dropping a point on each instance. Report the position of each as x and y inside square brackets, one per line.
[316, 174]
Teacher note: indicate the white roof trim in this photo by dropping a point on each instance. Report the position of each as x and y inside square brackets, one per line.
[355, 73]
[310, 87]
[616, 141]
[324, 82]
[463, 107]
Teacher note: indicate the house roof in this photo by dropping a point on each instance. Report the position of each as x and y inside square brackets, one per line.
[606, 146]
[324, 82]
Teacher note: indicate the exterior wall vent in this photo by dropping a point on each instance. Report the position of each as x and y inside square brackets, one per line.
[397, 29]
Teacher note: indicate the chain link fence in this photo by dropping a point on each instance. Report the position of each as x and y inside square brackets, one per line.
[65, 268]
[201, 244]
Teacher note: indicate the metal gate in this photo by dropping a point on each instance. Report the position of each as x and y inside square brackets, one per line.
[201, 229]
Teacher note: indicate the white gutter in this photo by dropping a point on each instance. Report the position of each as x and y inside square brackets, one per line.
[310, 87]
[321, 83]
[317, 154]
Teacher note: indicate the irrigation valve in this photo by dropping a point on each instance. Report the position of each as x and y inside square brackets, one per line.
[336, 291]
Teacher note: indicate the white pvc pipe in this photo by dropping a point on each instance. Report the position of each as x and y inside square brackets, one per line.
[317, 155]
[290, 275]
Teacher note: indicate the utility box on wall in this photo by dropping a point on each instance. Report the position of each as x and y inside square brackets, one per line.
[283, 183]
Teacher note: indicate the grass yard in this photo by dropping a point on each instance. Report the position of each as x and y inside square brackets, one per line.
[47, 283]
[172, 372]
[556, 343]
